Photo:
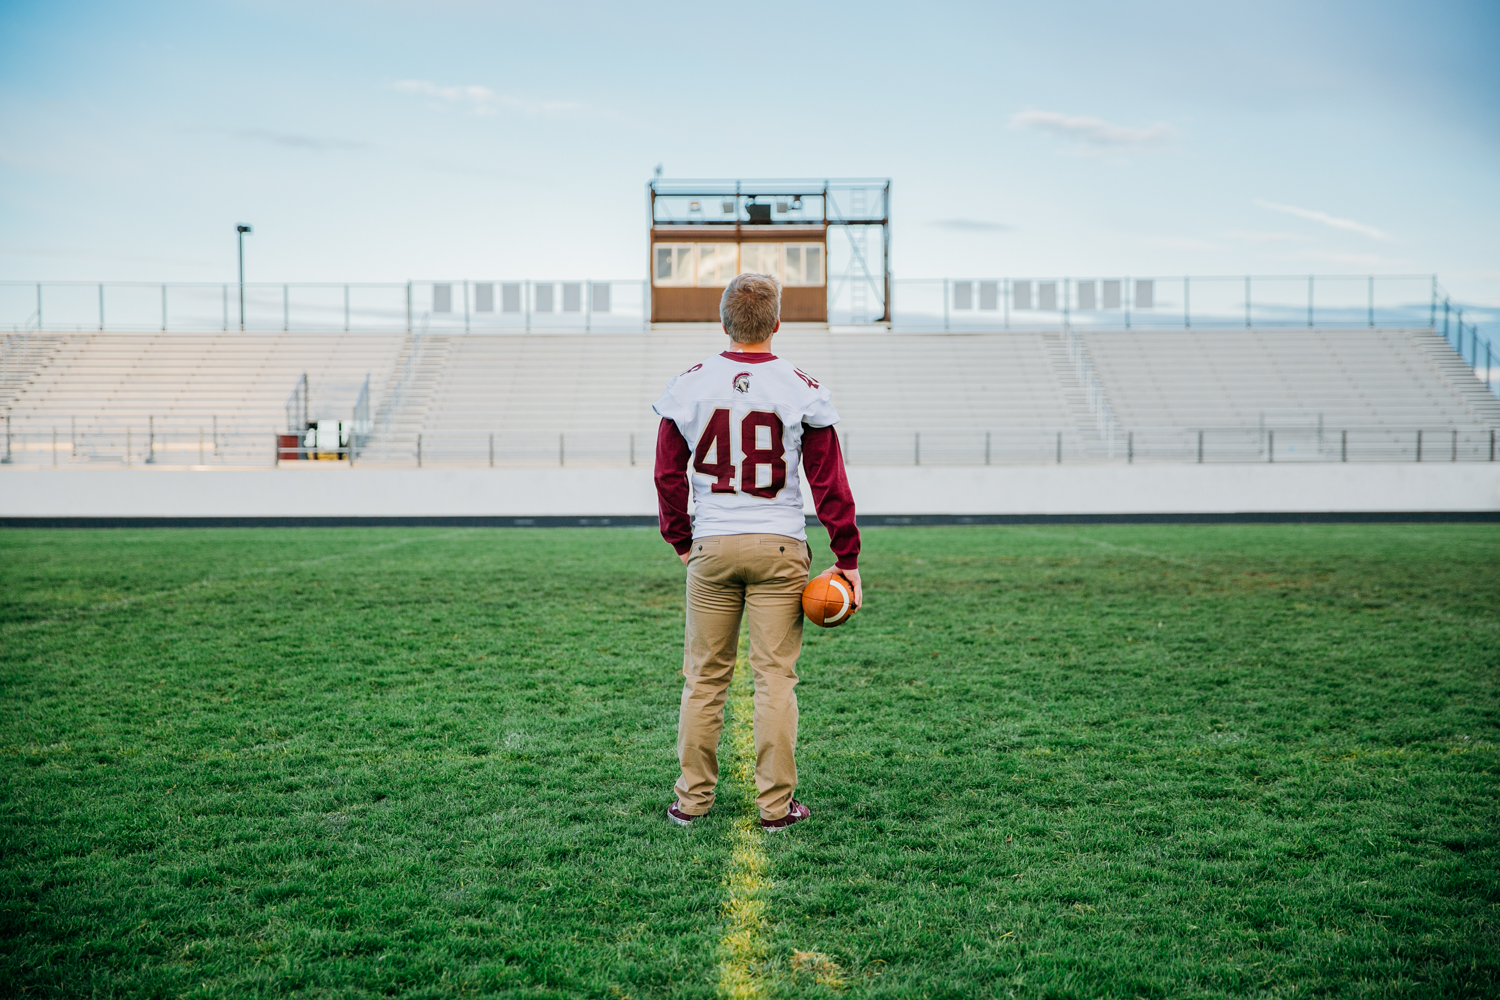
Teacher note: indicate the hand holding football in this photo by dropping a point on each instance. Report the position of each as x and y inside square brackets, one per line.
[828, 600]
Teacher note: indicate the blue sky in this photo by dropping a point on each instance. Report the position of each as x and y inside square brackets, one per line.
[393, 140]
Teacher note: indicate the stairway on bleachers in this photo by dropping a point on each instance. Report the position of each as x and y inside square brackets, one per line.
[23, 357]
[406, 395]
[1246, 378]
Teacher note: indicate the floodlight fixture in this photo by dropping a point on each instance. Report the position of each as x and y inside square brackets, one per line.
[240, 230]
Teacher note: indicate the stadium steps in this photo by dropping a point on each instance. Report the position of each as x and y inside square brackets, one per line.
[1459, 376]
[403, 404]
[1086, 426]
[1259, 378]
[23, 356]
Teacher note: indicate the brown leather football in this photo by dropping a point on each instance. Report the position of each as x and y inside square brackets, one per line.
[828, 600]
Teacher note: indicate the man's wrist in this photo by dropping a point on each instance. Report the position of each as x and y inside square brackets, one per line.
[847, 562]
[683, 547]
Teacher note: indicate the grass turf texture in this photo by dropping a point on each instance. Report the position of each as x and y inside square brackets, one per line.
[1043, 762]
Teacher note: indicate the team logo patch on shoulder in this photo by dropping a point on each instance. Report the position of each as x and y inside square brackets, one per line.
[691, 370]
[742, 382]
[812, 383]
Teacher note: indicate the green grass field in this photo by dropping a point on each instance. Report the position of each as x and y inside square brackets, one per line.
[1043, 762]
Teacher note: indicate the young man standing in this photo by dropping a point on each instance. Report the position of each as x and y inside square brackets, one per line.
[738, 424]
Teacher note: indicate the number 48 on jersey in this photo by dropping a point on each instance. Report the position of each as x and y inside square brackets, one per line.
[755, 427]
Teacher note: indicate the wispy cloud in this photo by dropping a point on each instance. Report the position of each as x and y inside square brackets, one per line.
[972, 225]
[1094, 133]
[1249, 236]
[1331, 221]
[483, 100]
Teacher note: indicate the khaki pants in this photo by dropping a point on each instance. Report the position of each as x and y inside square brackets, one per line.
[728, 576]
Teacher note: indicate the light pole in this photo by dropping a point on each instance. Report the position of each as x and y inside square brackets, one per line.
[240, 231]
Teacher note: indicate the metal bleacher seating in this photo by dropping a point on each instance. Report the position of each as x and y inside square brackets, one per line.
[1381, 385]
[573, 398]
[581, 397]
[176, 398]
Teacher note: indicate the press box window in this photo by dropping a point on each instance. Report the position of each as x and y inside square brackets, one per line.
[761, 258]
[674, 264]
[804, 264]
[716, 264]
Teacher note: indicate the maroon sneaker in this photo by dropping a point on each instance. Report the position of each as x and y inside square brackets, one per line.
[676, 815]
[796, 814]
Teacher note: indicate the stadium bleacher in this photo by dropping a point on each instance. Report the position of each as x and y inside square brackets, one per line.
[173, 397]
[597, 390]
[906, 398]
[1355, 378]
[1381, 385]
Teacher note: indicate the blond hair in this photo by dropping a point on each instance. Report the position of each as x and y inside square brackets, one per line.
[750, 308]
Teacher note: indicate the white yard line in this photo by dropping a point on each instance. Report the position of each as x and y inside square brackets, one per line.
[742, 949]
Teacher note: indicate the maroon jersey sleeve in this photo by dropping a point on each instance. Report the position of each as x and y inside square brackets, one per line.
[672, 454]
[823, 461]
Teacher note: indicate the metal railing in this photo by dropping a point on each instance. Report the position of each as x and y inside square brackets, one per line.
[323, 437]
[298, 406]
[1156, 302]
[1177, 445]
[1094, 397]
[147, 441]
[363, 424]
[309, 307]
[16, 350]
[488, 306]
[1482, 353]
[151, 441]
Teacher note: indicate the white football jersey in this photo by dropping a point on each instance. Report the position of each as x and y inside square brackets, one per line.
[743, 422]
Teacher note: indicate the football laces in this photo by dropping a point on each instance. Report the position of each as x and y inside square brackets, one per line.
[844, 593]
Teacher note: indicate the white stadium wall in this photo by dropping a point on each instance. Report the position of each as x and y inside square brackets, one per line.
[326, 490]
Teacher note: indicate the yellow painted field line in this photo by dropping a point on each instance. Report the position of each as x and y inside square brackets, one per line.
[743, 945]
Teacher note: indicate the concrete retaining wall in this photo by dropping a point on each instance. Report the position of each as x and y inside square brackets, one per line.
[335, 490]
